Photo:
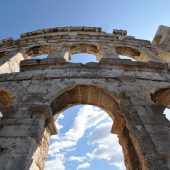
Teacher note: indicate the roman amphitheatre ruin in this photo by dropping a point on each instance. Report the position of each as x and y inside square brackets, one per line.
[34, 91]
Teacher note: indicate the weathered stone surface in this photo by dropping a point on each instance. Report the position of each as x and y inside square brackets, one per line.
[5, 97]
[134, 94]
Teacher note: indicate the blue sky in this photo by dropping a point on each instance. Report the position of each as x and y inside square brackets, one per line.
[84, 141]
[140, 18]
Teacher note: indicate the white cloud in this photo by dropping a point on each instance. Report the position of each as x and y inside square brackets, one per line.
[77, 158]
[61, 116]
[89, 155]
[59, 146]
[56, 163]
[83, 165]
[59, 127]
[101, 133]
[70, 149]
[108, 147]
[88, 116]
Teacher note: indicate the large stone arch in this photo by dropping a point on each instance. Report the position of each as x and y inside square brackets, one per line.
[108, 101]
[71, 92]
[85, 94]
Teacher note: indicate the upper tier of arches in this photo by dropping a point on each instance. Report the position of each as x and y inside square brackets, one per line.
[56, 42]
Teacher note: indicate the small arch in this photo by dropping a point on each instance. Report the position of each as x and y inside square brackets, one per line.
[82, 48]
[127, 51]
[38, 50]
[134, 53]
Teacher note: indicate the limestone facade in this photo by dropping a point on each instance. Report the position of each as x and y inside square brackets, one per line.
[134, 94]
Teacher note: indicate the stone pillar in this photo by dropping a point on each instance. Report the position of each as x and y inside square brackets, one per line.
[24, 137]
[58, 51]
[158, 130]
[144, 134]
[108, 52]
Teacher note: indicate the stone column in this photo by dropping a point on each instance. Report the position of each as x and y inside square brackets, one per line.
[108, 52]
[143, 133]
[158, 131]
[58, 51]
[24, 137]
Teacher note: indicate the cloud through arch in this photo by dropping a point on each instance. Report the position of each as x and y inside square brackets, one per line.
[91, 126]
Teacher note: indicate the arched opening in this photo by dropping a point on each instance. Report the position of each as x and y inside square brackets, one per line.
[108, 101]
[84, 141]
[38, 52]
[126, 52]
[83, 53]
[162, 97]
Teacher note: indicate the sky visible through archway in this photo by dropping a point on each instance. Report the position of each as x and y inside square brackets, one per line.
[83, 58]
[84, 141]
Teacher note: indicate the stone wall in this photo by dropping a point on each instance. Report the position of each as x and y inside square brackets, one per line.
[134, 94]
